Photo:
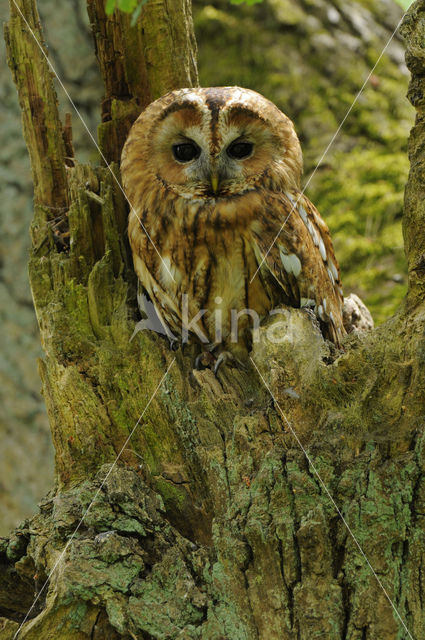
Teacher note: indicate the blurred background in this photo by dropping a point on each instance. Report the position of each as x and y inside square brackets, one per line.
[310, 57]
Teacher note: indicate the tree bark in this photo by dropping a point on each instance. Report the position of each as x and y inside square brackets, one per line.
[214, 523]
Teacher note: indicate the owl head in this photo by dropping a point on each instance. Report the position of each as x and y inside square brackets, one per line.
[211, 143]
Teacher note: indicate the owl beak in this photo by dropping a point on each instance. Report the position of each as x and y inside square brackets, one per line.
[214, 182]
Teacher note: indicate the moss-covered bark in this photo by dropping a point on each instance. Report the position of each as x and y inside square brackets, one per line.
[414, 211]
[213, 524]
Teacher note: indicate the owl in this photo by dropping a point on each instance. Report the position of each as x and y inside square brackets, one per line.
[219, 228]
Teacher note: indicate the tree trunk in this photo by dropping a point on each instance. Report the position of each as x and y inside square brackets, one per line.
[222, 517]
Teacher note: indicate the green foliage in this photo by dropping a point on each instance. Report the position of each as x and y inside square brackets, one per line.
[127, 6]
[361, 197]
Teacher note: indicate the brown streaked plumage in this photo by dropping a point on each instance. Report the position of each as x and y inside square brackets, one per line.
[213, 174]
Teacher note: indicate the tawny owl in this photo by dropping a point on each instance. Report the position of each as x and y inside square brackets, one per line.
[218, 224]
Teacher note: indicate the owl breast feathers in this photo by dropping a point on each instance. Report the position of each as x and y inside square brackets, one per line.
[218, 224]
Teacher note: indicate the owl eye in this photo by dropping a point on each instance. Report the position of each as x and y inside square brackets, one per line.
[239, 150]
[186, 151]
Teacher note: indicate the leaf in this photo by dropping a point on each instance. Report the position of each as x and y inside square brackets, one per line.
[110, 6]
[137, 12]
[127, 6]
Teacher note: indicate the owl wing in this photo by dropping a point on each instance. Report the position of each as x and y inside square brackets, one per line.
[301, 258]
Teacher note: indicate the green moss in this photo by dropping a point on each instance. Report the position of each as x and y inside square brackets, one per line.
[361, 198]
[76, 615]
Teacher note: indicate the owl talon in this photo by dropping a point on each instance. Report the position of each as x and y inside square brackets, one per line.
[228, 359]
[204, 360]
[173, 344]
